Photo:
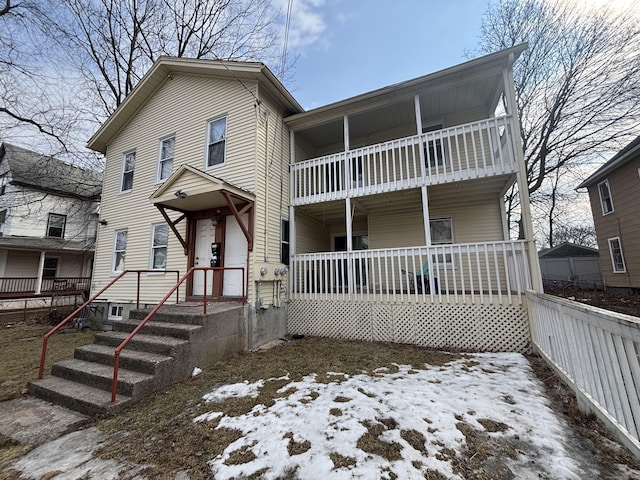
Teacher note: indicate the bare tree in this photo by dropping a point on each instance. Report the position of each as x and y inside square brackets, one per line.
[112, 43]
[577, 84]
[27, 107]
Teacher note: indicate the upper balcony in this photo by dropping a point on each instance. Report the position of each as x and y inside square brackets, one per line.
[463, 152]
[455, 125]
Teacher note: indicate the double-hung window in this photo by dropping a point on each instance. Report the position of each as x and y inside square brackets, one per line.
[617, 258]
[119, 251]
[128, 165]
[56, 225]
[50, 268]
[165, 162]
[216, 141]
[441, 234]
[159, 240]
[284, 241]
[605, 197]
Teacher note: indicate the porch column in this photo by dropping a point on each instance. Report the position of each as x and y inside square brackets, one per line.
[347, 160]
[347, 204]
[425, 216]
[521, 179]
[416, 102]
[349, 243]
[292, 218]
[503, 215]
[39, 275]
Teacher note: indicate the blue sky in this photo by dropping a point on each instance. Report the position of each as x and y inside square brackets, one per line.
[348, 47]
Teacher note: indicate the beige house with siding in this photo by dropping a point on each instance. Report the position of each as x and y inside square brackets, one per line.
[614, 192]
[379, 217]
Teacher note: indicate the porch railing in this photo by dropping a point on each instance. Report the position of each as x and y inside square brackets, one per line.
[597, 353]
[492, 272]
[463, 152]
[27, 285]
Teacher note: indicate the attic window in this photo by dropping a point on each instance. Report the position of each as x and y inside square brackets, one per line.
[56, 225]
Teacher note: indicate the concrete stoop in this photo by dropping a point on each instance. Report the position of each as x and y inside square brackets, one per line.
[164, 352]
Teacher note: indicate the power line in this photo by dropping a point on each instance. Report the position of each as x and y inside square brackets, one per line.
[286, 40]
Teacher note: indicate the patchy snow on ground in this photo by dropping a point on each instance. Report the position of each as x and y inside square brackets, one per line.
[321, 420]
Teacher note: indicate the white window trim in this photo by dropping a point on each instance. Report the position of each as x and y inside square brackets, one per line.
[206, 147]
[119, 308]
[605, 182]
[64, 225]
[613, 262]
[152, 248]
[442, 264]
[428, 128]
[57, 259]
[122, 172]
[114, 251]
[285, 242]
[159, 179]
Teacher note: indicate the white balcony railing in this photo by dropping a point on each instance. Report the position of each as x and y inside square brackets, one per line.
[494, 273]
[463, 152]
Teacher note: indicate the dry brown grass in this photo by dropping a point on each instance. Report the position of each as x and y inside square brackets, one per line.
[20, 347]
[160, 430]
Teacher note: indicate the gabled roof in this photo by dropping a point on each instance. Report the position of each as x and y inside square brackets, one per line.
[162, 70]
[190, 189]
[623, 156]
[568, 249]
[48, 174]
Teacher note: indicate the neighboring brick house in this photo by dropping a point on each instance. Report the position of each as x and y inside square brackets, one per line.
[48, 216]
[614, 192]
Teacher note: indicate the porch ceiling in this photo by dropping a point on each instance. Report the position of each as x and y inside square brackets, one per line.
[451, 194]
[473, 87]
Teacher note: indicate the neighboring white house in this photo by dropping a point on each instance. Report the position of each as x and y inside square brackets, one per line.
[48, 217]
[378, 217]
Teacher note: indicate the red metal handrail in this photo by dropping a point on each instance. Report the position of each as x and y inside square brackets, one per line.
[119, 348]
[79, 309]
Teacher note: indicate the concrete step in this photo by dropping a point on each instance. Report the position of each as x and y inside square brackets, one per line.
[167, 329]
[180, 316]
[76, 396]
[162, 345]
[130, 383]
[144, 362]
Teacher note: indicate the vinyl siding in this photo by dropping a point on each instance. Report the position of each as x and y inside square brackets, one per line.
[272, 194]
[28, 213]
[25, 264]
[623, 222]
[479, 222]
[181, 106]
[311, 236]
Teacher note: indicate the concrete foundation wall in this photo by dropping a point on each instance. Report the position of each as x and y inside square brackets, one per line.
[264, 325]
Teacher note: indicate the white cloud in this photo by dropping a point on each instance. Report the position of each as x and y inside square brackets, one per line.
[308, 23]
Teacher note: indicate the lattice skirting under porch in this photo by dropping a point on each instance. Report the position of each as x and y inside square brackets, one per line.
[483, 328]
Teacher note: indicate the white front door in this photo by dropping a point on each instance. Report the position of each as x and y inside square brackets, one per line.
[235, 255]
[205, 236]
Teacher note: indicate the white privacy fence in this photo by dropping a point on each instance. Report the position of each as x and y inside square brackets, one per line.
[597, 353]
[462, 152]
[492, 272]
